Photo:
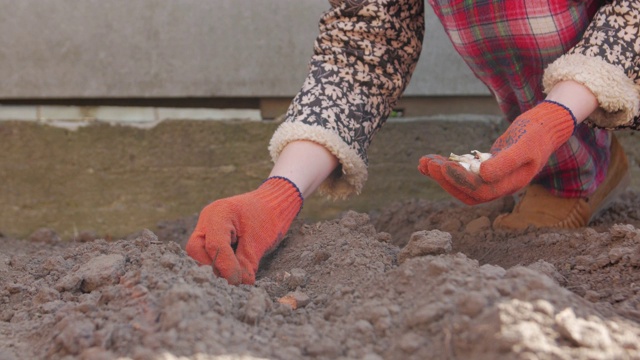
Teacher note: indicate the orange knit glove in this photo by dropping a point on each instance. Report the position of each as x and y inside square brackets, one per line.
[233, 234]
[517, 156]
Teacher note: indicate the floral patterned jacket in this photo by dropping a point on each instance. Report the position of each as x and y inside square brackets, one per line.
[367, 50]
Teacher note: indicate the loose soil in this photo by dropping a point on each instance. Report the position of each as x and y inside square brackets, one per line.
[416, 280]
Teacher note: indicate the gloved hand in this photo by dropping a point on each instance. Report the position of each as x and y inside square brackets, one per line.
[517, 156]
[233, 234]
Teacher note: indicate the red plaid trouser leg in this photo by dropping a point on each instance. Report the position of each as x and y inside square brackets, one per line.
[508, 44]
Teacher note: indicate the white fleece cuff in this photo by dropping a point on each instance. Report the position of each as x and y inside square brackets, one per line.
[618, 96]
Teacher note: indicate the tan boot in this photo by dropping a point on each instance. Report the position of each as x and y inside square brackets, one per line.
[539, 208]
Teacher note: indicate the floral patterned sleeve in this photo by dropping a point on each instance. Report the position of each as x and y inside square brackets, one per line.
[363, 60]
[607, 61]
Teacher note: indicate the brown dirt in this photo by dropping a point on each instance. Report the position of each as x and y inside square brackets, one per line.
[416, 280]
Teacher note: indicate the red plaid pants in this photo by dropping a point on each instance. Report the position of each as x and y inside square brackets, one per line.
[508, 44]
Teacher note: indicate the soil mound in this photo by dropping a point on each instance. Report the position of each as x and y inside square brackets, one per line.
[418, 280]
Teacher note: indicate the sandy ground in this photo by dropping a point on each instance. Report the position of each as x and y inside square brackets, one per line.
[417, 280]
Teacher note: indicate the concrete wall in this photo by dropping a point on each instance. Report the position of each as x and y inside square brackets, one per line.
[116, 180]
[187, 48]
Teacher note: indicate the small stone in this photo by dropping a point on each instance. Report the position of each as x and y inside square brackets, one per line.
[295, 299]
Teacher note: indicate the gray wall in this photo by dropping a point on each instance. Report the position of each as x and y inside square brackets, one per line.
[187, 48]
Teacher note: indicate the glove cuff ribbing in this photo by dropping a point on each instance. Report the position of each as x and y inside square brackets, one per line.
[284, 192]
[575, 122]
[557, 119]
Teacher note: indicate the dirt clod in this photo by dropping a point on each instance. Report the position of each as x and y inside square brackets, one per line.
[424, 243]
[45, 235]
